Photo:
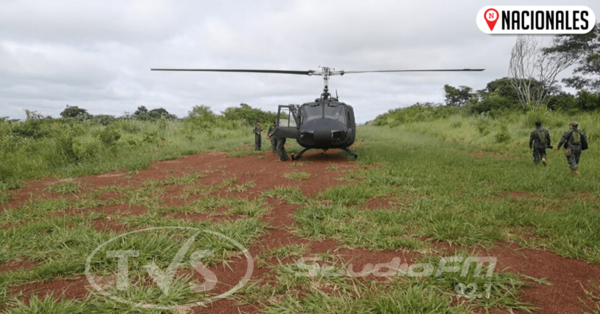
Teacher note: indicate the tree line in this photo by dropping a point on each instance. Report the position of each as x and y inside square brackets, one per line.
[244, 113]
[531, 81]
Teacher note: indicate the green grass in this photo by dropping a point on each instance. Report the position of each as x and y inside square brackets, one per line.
[344, 294]
[483, 131]
[241, 187]
[300, 164]
[500, 290]
[460, 195]
[5, 197]
[377, 230]
[291, 195]
[442, 188]
[49, 304]
[297, 175]
[71, 150]
[398, 298]
[65, 187]
[352, 194]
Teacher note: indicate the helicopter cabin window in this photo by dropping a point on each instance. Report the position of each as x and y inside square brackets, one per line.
[337, 113]
[311, 113]
[285, 118]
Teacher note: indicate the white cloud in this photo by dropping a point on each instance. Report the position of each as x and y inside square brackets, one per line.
[98, 54]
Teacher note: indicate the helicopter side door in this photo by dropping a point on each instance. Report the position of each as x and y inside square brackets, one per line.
[287, 121]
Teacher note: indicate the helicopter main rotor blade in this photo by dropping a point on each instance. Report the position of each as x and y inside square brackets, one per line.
[428, 70]
[239, 70]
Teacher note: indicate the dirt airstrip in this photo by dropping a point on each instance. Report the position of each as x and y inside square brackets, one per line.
[568, 277]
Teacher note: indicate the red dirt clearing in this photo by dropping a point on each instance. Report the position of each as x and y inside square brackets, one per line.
[266, 173]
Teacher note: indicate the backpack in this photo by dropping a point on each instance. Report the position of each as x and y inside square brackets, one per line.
[576, 138]
[541, 135]
[579, 138]
[584, 142]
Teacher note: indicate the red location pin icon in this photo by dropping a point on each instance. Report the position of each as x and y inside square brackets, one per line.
[491, 17]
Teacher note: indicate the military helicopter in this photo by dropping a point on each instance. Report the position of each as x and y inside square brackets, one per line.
[325, 123]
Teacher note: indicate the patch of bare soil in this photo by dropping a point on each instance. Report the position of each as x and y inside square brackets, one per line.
[59, 288]
[566, 276]
[16, 265]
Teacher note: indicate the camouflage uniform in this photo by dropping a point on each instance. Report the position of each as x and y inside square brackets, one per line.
[281, 149]
[257, 130]
[273, 138]
[567, 140]
[539, 140]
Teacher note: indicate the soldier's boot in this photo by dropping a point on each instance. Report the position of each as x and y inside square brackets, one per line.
[544, 162]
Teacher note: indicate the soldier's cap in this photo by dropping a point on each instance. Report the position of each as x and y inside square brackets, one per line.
[538, 123]
[573, 123]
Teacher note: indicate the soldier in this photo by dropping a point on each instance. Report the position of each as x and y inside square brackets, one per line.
[574, 142]
[281, 149]
[257, 130]
[539, 140]
[272, 138]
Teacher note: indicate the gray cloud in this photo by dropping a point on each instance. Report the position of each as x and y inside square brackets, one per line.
[97, 54]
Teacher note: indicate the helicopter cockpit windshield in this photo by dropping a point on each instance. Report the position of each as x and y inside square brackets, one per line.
[337, 113]
[311, 112]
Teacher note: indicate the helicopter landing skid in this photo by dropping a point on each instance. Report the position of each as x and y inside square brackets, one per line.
[299, 154]
[351, 153]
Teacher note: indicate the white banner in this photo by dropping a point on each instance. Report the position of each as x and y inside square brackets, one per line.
[535, 19]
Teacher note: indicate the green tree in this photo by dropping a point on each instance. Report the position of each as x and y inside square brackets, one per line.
[585, 48]
[248, 114]
[199, 119]
[73, 111]
[157, 113]
[142, 113]
[140, 110]
[500, 87]
[457, 97]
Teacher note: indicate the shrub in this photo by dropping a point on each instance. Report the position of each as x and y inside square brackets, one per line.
[490, 103]
[109, 136]
[483, 126]
[503, 135]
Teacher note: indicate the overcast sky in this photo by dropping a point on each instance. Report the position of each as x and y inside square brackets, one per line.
[97, 54]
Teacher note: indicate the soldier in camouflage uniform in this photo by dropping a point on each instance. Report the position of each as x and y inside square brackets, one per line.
[574, 142]
[281, 149]
[257, 130]
[539, 140]
[272, 138]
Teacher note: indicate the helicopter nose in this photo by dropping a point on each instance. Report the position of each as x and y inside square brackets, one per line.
[339, 136]
[322, 136]
[330, 136]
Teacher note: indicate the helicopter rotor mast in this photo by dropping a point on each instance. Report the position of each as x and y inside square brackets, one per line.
[326, 72]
